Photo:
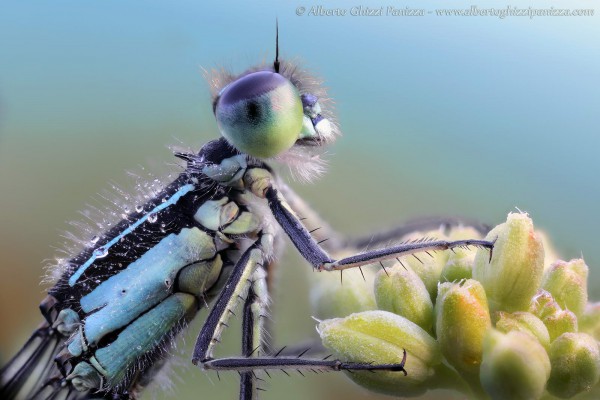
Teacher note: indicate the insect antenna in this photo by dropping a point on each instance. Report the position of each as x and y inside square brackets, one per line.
[276, 63]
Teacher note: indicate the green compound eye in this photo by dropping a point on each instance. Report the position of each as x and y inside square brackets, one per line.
[260, 114]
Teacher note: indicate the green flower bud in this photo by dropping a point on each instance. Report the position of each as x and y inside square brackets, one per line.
[402, 292]
[514, 366]
[460, 261]
[458, 267]
[561, 322]
[567, 282]
[575, 360]
[556, 320]
[427, 265]
[589, 322]
[515, 271]
[543, 304]
[380, 337]
[462, 320]
[331, 297]
[523, 322]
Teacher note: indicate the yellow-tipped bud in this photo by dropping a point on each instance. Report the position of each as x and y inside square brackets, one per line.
[462, 320]
[543, 305]
[567, 282]
[515, 366]
[380, 337]
[402, 292]
[575, 360]
[523, 322]
[515, 271]
[557, 320]
[559, 323]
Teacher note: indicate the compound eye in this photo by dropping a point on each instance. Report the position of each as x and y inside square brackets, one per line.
[260, 114]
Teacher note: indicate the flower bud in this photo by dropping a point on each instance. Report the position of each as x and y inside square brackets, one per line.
[567, 282]
[428, 266]
[458, 267]
[542, 304]
[523, 322]
[514, 366]
[589, 322]
[460, 260]
[556, 320]
[462, 320]
[402, 292]
[334, 297]
[575, 360]
[380, 337]
[515, 271]
[561, 322]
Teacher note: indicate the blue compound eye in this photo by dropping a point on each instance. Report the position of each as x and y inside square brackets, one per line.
[260, 114]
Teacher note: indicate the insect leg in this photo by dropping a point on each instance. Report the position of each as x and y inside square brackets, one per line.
[236, 288]
[316, 255]
[296, 363]
[238, 285]
[416, 225]
[319, 228]
[247, 383]
[254, 331]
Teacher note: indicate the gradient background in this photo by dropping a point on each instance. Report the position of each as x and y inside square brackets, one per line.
[469, 116]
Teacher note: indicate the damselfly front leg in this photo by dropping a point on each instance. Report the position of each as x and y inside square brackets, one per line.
[321, 261]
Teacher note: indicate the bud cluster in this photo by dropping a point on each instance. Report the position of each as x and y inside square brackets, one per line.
[516, 326]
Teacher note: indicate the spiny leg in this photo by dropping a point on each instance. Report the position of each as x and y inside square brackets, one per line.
[320, 260]
[318, 227]
[416, 225]
[237, 286]
[314, 347]
[247, 382]
[254, 330]
[333, 241]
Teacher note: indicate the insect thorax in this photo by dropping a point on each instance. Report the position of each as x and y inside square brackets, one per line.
[121, 302]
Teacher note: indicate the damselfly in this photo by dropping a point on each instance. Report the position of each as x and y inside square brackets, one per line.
[210, 236]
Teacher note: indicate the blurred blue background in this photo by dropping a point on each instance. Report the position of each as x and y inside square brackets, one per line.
[469, 116]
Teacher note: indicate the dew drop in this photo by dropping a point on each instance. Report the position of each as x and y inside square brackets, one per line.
[101, 252]
[139, 208]
[139, 347]
[152, 218]
[94, 239]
